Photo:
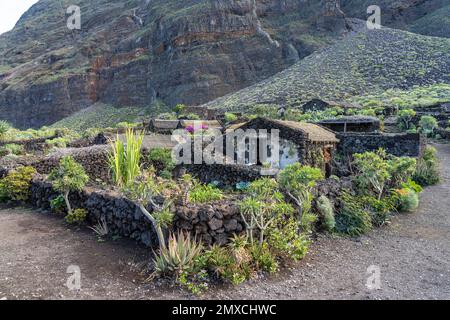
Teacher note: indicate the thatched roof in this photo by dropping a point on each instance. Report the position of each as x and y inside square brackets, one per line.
[352, 119]
[314, 132]
[211, 124]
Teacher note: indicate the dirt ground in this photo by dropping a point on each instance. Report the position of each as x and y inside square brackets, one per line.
[412, 254]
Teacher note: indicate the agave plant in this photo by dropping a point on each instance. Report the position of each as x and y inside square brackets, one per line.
[179, 255]
[101, 228]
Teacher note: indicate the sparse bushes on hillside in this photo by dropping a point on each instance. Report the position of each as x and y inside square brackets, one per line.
[12, 148]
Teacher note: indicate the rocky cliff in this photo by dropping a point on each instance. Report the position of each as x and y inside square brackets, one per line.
[136, 52]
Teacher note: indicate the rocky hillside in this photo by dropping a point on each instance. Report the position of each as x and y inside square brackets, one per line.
[132, 53]
[367, 62]
[427, 17]
[138, 52]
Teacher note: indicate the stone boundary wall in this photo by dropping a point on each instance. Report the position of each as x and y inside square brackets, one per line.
[405, 144]
[445, 134]
[93, 159]
[213, 223]
[31, 145]
[227, 175]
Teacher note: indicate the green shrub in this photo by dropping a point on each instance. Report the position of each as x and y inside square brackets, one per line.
[13, 148]
[372, 172]
[408, 200]
[126, 125]
[326, 210]
[297, 182]
[379, 210]
[179, 256]
[179, 108]
[4, 128]
[401, 169]
[427, 125]
[352, 219]
[264, 259]
[91, 132]
[202, 193]
[68, 177]
[427, 170]
[16, 185]
[58, 204]
[230, 117]
[162, 157]
[227, 265]
[76, 216]
[404, 118]
[125, 158]
[60, 142]
[286, 241]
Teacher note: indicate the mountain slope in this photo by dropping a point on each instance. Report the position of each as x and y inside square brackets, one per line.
[367, 62]
[135, 52]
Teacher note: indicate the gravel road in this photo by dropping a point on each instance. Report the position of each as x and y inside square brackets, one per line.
[412, 255]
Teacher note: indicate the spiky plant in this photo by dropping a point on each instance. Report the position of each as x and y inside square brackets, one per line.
[125, 157]
[179, 255]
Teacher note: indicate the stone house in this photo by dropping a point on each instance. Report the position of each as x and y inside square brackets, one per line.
[163, 126]
[352, 124]
[202, 112]
[307, 143]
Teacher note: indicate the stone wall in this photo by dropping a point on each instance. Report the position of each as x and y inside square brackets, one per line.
[93, 159]
[405, 144]
[226, 175]
[31, 145]
[445, 134]
[213, 223]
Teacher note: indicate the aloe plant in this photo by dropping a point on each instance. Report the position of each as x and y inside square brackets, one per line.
[179, 255]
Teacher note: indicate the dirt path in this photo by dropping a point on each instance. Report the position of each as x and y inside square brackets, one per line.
[412, 254]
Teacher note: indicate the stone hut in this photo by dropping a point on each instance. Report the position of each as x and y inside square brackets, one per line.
[307, 143]
[202, 112]
[163, 126]
[352, 124]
